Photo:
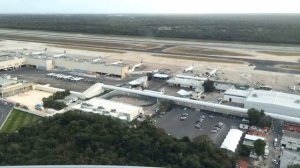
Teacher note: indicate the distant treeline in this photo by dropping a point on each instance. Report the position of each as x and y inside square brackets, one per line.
[248, 28]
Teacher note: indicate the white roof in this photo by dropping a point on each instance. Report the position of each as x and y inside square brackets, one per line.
[115, 109]
[135, 82]
[253, 137]
[185, 81]
[236, 92]
[232, 140]
[158, 75]
[184, 92]
[191, 77]
[275, 98]
[138, 81]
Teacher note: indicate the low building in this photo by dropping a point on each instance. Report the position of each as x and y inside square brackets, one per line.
[111, 108]
[236, 96]
[10, 87]
[290, 140]
[232, 140]
[250, 139]
[186, 81]
[274, 102]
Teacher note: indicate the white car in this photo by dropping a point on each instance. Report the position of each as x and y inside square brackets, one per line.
[214, 131]
[202, 116]
[183, 118]
[198, 126]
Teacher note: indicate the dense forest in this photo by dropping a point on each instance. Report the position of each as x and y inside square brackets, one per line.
[86, 138]
[275, 28]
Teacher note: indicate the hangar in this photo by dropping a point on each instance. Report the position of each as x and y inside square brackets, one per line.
[274, 102]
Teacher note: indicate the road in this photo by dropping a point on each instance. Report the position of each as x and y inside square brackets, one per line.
[128, 44]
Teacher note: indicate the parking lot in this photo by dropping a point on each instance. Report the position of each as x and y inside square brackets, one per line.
[172, 124]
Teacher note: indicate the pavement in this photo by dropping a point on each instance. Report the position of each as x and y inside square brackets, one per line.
[5, 108]
[39, 76]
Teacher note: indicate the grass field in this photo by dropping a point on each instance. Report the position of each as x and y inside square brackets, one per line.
[198, 58]
[279, 53]
[291, 67]
[202, 51]
[18, 119]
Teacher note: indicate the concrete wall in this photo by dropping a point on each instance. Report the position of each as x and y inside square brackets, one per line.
[47, 88]
[15, 63]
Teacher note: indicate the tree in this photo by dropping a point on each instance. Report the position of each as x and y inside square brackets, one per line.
[254, 116]
[165, 105]
[208, 86]
[244, 150]
[259, 118]
[259, 147]
[87, 138]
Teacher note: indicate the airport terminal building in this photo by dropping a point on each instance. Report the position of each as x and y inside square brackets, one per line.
[49, 62]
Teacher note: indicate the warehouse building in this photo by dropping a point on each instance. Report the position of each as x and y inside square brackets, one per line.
[111, 108]
[274, 102]
[232, 140]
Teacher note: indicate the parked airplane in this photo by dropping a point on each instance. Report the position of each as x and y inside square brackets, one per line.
[136, 66]
[40, 52]
[60, 55]
[117, 63]
[211, 73]
[97, 60]
[189, 69]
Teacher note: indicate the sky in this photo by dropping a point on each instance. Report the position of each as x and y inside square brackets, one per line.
[149, 6]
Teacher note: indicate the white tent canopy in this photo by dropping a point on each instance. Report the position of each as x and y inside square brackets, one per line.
[232, 140]
[182, 92]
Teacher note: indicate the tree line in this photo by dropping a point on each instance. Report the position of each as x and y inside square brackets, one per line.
[92, 139]
[248, 28]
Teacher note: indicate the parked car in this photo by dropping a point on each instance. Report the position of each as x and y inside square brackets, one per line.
[182, 118]
[214, 131]
[198, 126]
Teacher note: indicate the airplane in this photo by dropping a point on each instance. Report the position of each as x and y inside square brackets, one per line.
[97, 60]
[117, 63]
[189, 69]
[139, 65]
[136, 66]
[213, 72]
[60, 55]
[39, 53]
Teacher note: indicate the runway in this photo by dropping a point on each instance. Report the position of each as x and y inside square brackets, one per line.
[157, 46]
